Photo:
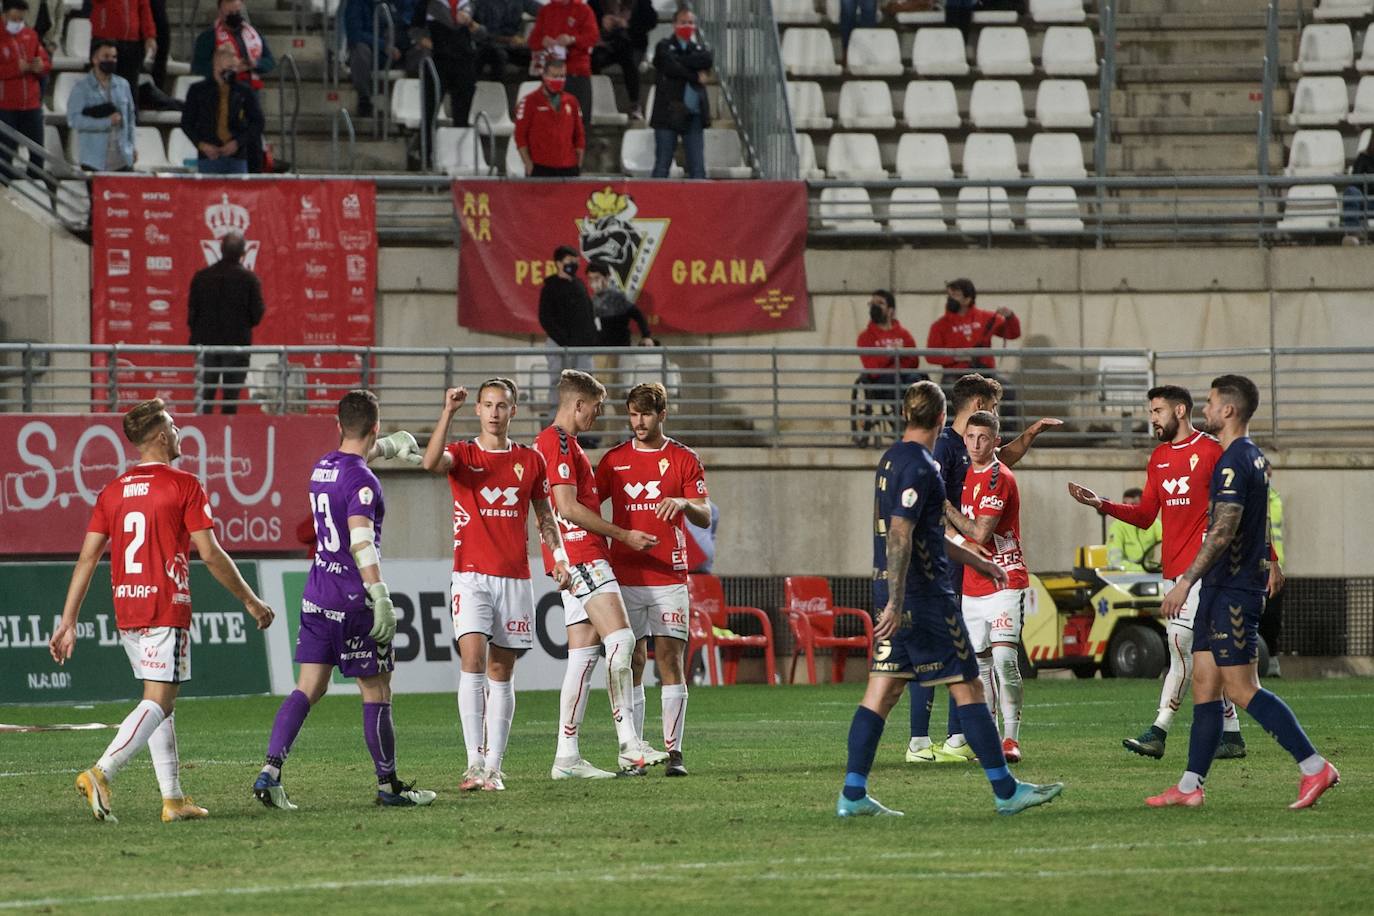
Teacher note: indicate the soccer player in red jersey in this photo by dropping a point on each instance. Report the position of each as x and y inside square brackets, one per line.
[1176, 482]
[655, 484]
[593, 609]
[989, 514]
[150, 515]
[495, 483]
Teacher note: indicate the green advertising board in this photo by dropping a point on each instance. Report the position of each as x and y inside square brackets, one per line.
[228, 652]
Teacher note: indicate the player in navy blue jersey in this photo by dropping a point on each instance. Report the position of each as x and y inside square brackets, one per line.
[1233, 565]
[920, 633]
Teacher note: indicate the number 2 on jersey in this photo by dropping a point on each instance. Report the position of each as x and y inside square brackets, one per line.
[136, 524]
[329, 536]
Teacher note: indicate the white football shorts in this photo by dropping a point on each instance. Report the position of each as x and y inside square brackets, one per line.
[657, 610]
[996, 617]
[160, 654]
[588, 581]
[498, 607]
[1185, 619]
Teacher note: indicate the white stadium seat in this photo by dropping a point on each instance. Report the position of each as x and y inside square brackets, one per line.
[459, 151]
[1325, 49]
[866, 105]
[1063, 104]
[809, 52]
[490, 98]
[1069, 51]
[1366, 62]
[854, 156]
[1315, 153]
[1344, 9]
[1311, 207]
[183, 85]
[931, 105]
[806, 159]
[62, 90]
[916, 211]
[1319, 101]
[725, 154]
[1048, 11]
[1004, 50]
[990, 157]
[405, 104]
[515, 166]
[939, 52]
[924, 156]
[795, 12]
[529, 86]
[181, 152]
[1056, 156]
[874, 52]
[1051, 209]
[847, 208]
[994, 17]
[808, 106]
[935, 16]
[603, 102]
[152, 155]
[76, 46]
[637, 154]
[983, 210]
[997, 105]
[1362, 112]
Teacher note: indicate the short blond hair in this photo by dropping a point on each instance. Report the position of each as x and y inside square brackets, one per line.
[576, 383]
[922, 404]
[650, 397]
[143, 420]
[500, 381]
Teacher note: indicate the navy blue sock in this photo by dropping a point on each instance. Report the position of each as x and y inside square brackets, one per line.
[1205, 737]
[864, 734]
[1277, 719]
[981, 733]
[955, 728]
[922, 701]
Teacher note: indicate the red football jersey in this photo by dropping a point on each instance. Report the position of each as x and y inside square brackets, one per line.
[993, 491]
[148, 513]
[636, 480]
[1177, 484]
[491, 501]
[568, 465]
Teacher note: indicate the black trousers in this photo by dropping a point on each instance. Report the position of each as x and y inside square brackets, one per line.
[492, 59]
[30, 124]
[130, 63]
[164, 42]
[457, 81]
[223, 372]
[581, 89]
[549, 171]
[616, 48]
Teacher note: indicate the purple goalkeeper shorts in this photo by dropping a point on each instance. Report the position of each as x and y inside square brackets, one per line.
[330, 637]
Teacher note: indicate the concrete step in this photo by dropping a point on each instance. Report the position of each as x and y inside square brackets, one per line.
[1216, 7]
[1210, 73]
[1187, 154]
[313, 154]
[1191, 100]
[1254, 17]
[1241, 125]
[1213, 46]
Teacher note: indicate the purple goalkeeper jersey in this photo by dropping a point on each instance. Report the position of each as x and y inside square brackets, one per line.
[341, 485]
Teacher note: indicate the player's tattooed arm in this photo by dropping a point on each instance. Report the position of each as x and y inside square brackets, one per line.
[978, 530]
[552, 537]
[1225, 524]
[899, 534]
[437, 460]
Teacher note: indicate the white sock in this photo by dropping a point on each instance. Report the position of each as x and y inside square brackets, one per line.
[1010, 694]
[674, 715]
[956, 740]
[1190, 782]
[1179, 640]
[919, 744]
[472, 713]
[637, 696]
[162, 747]
[1230, 720]
[572, 699]
[500, 714]
[620, 646]
[1313, 765]
[989, 686]
[138, 726]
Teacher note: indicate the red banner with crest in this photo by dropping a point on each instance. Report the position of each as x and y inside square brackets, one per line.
[312, 243]
[720, 257]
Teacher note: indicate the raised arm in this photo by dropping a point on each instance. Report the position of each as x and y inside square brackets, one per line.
[437, 460]
[1016, 449]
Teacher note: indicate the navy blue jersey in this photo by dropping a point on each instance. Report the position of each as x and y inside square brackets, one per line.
[1239, 479]
[909, 485]
[951, 454]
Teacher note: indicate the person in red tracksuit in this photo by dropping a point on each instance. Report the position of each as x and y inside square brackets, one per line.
[548, 128]
[965, 326]
[571, 25]
[129, 24]
[886, 377]
[23, 64]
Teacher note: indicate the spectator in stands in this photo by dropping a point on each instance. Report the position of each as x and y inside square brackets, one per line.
[222, 308]
[625, 27]
[366, 51]
[959, 14]
[231, 27]
[503, 41]
[128, 24]
[965, 326]
[886, 377]
[1271, 621]
[1355, 206]
[101, 111]
[24, 62]
[701, 545]
[571, 26]
[613, 309]
[681, 106]
[162, 34]
[548, 127]
[864, 13]
[446, 30]
[223, 119]
[1131, 548]
[567, 317]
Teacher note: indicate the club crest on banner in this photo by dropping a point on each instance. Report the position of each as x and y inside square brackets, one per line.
[614, 234]
[221, 219]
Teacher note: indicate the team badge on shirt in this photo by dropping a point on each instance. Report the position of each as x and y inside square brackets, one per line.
[519, 470]
[365, 496]
[908, 497]
[663, 465]
[1192, 461]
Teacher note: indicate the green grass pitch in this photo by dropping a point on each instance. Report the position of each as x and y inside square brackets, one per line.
[752, 829]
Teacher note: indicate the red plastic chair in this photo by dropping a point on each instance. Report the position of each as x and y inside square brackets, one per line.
[699, 637]
[706, 595]
[811, 613]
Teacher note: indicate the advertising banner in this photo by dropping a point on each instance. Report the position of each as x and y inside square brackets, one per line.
[702, 257]
[255, 468]
[312, 243]
[228, 651]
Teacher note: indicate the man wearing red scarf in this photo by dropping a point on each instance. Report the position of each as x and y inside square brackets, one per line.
[231, 27]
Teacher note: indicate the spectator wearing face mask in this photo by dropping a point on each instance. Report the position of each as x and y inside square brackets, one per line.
[223, 119]
[568, 318]
[101, 111]
[447, 31]
[885, 377]
[232, 27]
[24, 62]
[613, 309]
[965, 326]
[570, 27]
[548, 127]
[681, 107]
[129, 25]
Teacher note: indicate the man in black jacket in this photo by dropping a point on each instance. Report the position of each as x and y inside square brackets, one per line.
[223, 119]
[567, 317]
[224, 305]
[681, 107]
[450, 34]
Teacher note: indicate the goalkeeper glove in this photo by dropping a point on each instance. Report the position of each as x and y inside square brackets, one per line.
[383, 614]
[401, 445]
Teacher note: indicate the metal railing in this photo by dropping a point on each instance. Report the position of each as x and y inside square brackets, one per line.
[429, 119]
[726, 396]
[748, 63]
[55, 186]
[1269, 83]
[288, 140]
[1106, 31]
[341, 114]
[381, 114]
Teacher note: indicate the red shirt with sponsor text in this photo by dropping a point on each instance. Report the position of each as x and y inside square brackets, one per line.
[636, 480]
[491, 502]
[993, 491]
[149, 513]
[1177, 484]
[568, 465]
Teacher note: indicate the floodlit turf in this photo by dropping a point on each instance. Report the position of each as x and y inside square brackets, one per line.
[752, 829]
